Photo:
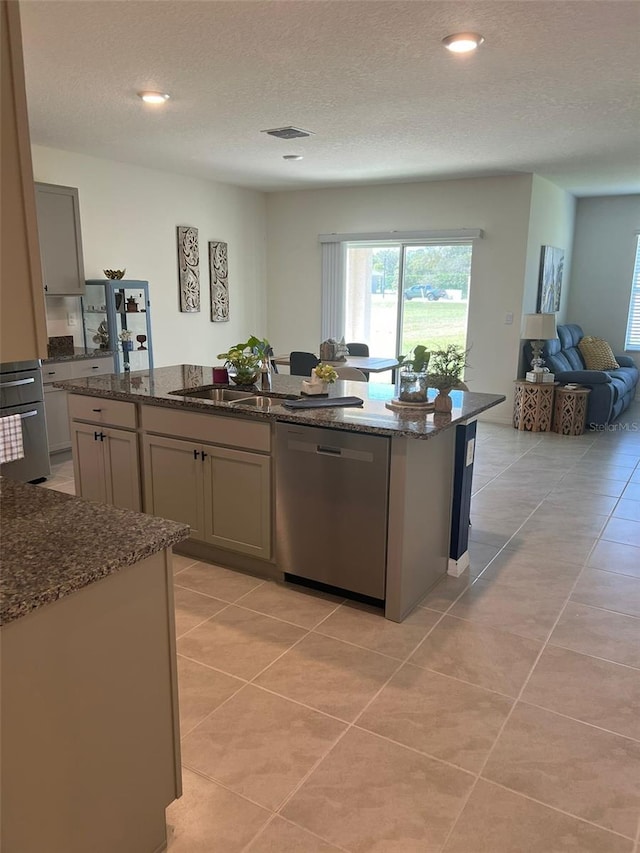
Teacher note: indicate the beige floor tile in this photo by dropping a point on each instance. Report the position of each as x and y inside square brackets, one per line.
[616, 557]
[595, 691]
[437, 715]
[280, 836]
[372, 795]
[602, 633]
[505, 607]
[608, 590]
[329, 675]
[627, 509]
[180, 562]
[201, 690]
[579, 501]
[548, 547]
[480, 556]
[216, 581]
[593, 484]
[493, 530]
[499, 821]
[632, 492]
[547, 521]
[366, 626]
[209, 819]
[192, 608]
[260, 745]
[484, 656]
[529, 572]
[569, 765]
[238, 641]
[445, 592]
[68, 487]
[293, 604]
[623, 530]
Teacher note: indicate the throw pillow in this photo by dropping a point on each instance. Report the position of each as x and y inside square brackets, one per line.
[597, 354]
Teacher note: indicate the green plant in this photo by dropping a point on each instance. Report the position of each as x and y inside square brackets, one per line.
[326, 373]
[420, 360]
[245, 359]
[447, 366]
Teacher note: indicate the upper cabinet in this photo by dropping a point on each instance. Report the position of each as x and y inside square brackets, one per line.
[60, 240]
[23, 323]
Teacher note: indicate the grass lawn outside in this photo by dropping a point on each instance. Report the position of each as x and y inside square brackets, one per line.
[434, 324]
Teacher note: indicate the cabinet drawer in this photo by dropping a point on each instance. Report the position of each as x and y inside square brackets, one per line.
[92, 367]
[58, 371]
[216, 429]
[101, 410]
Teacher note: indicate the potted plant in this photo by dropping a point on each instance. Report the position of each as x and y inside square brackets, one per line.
[245, 359]
[126, 336]
[321, 376]
[447, 366]
[414, 382]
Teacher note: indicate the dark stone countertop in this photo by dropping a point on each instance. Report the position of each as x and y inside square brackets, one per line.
[78, 354]
[155, 388]
[54, 544]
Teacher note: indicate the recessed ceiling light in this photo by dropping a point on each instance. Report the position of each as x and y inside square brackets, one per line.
[154, 97]
[462, 42]
[292, 157]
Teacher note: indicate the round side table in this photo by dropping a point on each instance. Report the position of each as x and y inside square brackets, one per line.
[570, 410]
[533, 406]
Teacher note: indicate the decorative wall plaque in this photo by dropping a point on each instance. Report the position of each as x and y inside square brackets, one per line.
[189, 269]
[219, 275]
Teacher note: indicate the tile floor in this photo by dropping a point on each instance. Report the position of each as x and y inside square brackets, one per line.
[503, 715]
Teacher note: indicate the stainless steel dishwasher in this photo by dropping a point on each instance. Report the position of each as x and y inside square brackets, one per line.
[331, 507]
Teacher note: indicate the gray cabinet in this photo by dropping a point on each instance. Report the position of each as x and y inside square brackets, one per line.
[223, 494]
[60, 240]
[106, 465]
[55, 399]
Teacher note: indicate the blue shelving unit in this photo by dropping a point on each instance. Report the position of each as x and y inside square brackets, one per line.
[121, 304]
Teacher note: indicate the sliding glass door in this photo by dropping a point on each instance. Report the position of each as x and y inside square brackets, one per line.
[399, 295]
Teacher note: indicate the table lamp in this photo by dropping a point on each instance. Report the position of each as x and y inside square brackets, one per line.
[538, 328]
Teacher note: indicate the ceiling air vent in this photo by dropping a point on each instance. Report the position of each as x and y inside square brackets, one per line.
[288, 132]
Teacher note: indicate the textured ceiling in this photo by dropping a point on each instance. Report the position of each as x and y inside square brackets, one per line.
[554, 89]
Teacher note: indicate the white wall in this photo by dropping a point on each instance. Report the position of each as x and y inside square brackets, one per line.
[551, 223]
[500, 206]
[603, 257]
[129, 217]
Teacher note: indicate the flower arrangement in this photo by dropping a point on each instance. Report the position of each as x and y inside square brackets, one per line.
[325, 373]
[126, 335]
[101, 336]
[447, 366]
[245, 359]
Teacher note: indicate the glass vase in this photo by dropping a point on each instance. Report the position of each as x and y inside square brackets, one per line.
[412, 386]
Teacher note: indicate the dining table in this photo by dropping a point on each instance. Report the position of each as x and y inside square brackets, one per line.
[372, 364]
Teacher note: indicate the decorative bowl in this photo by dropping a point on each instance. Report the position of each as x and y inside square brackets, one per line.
[115, 275]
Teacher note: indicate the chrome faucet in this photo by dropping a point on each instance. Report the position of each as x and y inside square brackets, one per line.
[265, 381]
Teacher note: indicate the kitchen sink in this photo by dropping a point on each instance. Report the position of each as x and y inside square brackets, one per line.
[262, 404]
[219, 395]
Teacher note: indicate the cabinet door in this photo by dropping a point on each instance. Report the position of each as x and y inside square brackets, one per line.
[237, 500]
[88, 462]
[122, 468]
[60, 239]
[57, 416]
[173, 481]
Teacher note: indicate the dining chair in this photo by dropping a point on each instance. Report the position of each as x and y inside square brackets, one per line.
[302, 363]
[359, 349]
[351, 373]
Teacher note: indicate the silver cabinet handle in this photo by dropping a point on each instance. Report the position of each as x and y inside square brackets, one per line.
[17, 382]
[29, 414]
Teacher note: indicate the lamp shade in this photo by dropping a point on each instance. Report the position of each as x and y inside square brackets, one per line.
[539, 327]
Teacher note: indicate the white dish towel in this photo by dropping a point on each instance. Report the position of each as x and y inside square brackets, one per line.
[11, 443]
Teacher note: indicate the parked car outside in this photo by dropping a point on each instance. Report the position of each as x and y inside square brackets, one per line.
[427, 291]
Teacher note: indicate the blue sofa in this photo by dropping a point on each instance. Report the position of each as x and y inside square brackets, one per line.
[611, 390]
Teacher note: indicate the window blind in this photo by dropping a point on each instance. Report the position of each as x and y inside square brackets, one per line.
[632, 338]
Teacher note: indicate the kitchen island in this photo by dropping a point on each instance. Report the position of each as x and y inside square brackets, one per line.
[173, 443]
[90, 737]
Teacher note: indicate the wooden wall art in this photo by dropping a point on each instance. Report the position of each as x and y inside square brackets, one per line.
[189, 269]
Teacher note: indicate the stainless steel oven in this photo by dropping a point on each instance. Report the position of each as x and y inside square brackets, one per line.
[21, 393]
